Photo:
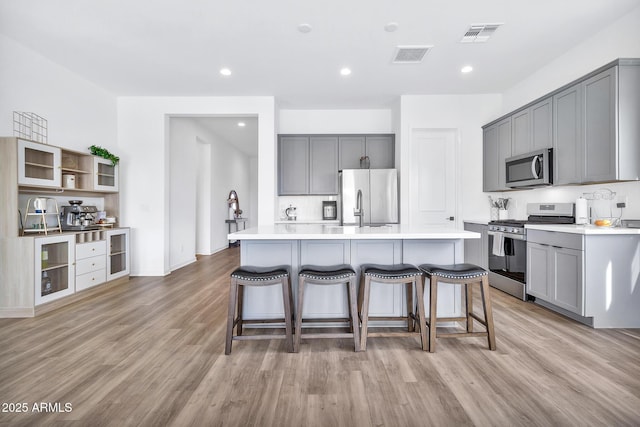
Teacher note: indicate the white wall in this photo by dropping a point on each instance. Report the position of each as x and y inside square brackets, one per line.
[335, 121]
[466, 114]
[619, 40]
[203, 198]
[143, 139]
[79, 113]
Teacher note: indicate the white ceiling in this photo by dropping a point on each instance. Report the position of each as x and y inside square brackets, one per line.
[164, 47]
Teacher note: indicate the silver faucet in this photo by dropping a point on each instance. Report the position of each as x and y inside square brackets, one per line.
[358, 211]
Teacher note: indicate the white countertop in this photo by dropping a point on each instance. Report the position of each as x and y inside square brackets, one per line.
[338, 232]
[477, 221]
[582, 229]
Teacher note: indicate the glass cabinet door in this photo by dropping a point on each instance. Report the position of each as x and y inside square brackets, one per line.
[118, 253]
[39, 164]
[105, 175]
[54, 268]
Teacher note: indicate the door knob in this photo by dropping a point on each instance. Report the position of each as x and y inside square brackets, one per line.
[450, 218]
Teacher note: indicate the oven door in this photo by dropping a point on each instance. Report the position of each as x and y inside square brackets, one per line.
[509, 258]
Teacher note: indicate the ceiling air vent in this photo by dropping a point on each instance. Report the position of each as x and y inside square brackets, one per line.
[410, 54]
[479, 33]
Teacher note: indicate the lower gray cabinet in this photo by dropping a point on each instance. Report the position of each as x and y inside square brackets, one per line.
[476, 251]
[555, 263]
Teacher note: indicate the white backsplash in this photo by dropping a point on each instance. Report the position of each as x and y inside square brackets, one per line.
[628, 192]
[309, 208]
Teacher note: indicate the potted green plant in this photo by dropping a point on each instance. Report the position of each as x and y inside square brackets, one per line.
[104, 153]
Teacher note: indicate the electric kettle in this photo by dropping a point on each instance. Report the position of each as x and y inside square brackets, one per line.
[291, 213]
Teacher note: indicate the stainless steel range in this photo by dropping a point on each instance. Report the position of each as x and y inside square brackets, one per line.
[508, 245]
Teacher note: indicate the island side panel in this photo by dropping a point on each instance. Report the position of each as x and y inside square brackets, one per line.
[438, 252]
[385, 300]
[324, 301]
[266, 302]
[612, 280]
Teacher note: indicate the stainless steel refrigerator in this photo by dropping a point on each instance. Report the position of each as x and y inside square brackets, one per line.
[379, 196]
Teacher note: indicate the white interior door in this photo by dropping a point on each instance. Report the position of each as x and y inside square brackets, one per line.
[433, 186]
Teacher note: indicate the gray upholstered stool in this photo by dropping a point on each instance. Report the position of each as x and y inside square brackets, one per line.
[258, 276]
[330, 275]
[467, 275]
[397, 274]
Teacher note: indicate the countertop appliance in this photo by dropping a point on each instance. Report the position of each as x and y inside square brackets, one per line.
[78, 218]
[534, 169]
[508, 245]
[329, 210]
[291, 213]
[369, 196]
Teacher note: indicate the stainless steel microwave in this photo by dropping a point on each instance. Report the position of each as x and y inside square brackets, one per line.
[530, 170]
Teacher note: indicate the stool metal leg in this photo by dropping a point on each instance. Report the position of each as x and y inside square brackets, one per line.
[233, 295]
[488, 312]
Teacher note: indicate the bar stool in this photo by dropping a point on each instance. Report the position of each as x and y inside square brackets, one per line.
[330, 275]
[397, 274]
[258, 276]
[467, 275]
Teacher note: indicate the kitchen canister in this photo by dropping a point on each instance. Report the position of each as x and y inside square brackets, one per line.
[582, 212]
[69, 181]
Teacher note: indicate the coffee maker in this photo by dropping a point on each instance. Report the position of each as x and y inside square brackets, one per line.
[77, 218]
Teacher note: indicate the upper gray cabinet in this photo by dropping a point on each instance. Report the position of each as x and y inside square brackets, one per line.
[599, 125]
[567, 139]
[309, 164]
[596, 128]
[352, 148]
[379, 149]
[323, 165]
[532, 129]
[592, 124]
[496, 149]
[293, 165]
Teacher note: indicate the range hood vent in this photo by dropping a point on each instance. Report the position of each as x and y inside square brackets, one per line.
[479, 33]
[410, 54]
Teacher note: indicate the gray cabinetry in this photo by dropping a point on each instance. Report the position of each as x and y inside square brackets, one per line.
[541, 124]
[352, 148]
[476, 250]
[293, 165]
[380, 149]
[532, 129]
[567, 139]
[490, 158]
[599, 96]
[323, 165]
[504, 151]
[592, 125]
[495, 150]
[555, 269]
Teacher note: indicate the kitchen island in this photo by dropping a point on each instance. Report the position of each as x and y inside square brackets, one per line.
[299, 244]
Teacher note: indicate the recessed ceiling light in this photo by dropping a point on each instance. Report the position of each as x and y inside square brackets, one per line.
[345, 71]
[304, 28]
[466, 69]
[225, 71]
[242, 124]
[390, 27]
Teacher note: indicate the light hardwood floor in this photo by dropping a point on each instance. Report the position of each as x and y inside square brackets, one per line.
[151, 352]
